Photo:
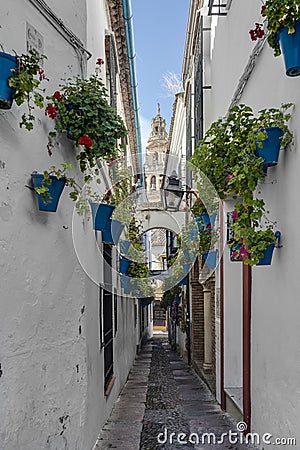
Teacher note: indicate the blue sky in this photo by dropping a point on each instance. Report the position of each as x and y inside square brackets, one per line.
[159, 34]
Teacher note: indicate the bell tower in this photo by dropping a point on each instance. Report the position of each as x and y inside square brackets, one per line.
[155, 153]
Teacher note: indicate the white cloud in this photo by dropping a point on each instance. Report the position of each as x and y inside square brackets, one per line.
[171, 83]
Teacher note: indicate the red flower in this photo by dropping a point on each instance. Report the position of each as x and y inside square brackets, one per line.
[99, 61]
[257, 33]
[51, 111]
[41, 73]
[85, 140]
[107, 195]
[57, 95]
[263, 8]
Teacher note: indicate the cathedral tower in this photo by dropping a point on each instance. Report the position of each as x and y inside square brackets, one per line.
[155, 155]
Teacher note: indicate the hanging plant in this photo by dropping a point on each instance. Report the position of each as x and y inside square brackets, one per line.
[283, 25]
[81, 110]
[25, 81]
[227, 156]
[278, 14]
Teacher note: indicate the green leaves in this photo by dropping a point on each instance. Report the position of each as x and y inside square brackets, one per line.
[83, 110]
[227, 157]
[26, 81]
[280, 13]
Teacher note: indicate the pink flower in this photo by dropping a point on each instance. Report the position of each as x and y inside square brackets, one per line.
[235, 254]
[234, 215]
[228, 178]
[85, 140]
[243, 252]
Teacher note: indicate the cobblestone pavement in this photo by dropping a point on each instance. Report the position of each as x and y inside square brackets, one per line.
[163, 396]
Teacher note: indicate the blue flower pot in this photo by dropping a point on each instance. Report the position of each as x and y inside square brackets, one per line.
[190, 255]
[290, 48]
[112, 234]
[126, 285]
[186, 268]
[186, 254]
[205, 221]
[101, 213]
[124, 247]
[267, 258]
[124, 265]
[270, 146]
[177, 299]
[7, 63]
[210, 259]
[55, 190]
[183, 282]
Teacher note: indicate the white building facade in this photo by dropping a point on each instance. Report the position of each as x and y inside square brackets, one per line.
[223, 67]
[55, 309]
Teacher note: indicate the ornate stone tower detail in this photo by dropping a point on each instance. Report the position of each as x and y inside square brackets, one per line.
[155, 155]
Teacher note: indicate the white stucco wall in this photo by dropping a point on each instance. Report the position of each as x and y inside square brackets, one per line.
[232, 315]
[51, 384]
[275, 306]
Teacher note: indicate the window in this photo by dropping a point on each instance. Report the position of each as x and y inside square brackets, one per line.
[116, 311]
[199, 88]
[111, 69]
[107, 314]
[101, 341]
[218, 7]
[153, 182]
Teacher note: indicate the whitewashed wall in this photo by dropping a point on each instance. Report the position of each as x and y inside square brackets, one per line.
[51, 384]
[275, 318]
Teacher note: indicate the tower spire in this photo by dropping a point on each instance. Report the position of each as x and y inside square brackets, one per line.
[158, 109]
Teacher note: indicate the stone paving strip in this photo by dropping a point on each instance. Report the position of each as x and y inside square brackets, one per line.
[163, 395]
[122, 430]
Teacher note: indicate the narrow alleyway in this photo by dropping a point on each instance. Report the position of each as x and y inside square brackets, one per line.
[164, 396]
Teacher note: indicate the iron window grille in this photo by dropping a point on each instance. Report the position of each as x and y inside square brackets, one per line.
[218, 7]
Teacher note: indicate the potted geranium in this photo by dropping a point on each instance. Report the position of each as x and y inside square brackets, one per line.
[50, 184]
[81, 110]
[138, 271]
[273, 133]
[20, 79]
[228, 157]
[283, 25]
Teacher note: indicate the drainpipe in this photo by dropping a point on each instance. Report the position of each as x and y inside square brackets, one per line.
[222, 309]
[127, 14]
[247, 285]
